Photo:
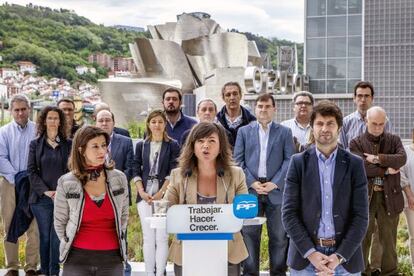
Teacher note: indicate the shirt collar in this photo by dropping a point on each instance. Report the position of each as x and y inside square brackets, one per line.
[323, 158]
[268, 125]
[299, 125]
[179, 118]
[19, 127]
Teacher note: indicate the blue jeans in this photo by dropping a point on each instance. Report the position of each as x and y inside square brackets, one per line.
[310, 269]
[278, 241]
[49, 242]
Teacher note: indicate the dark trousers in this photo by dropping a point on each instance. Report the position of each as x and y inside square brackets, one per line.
[93, 263]
[232, 270]
[387, 229]
[278, 241]
[49, 242]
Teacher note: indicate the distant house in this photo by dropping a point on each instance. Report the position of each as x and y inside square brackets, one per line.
[122, 64]
[26, 66]
[101, 59]
[81, 69]
[7, 72]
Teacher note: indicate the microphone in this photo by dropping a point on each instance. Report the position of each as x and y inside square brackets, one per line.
[188, 172]
[220, 172]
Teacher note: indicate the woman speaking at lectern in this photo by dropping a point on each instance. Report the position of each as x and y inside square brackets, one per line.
[207, 175]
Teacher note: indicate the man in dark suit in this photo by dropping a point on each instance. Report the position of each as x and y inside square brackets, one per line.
[120, 150]
[263, 149]
[104, 106]
[325, 202]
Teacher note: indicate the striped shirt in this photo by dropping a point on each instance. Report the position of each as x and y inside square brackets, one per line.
[353, 126]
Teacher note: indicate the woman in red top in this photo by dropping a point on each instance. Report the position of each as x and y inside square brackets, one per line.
[91, 209]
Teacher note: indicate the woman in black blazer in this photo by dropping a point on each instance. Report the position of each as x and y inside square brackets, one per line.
[154, 159]
[48, 158]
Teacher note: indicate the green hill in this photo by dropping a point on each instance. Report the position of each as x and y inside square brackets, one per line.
[59, 40]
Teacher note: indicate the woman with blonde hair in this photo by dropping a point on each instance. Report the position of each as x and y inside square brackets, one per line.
[91, 209]
[206, 174]
[154, 158]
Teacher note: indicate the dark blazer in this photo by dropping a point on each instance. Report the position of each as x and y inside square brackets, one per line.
[122, 153]
[168, 161]
[247, 117]
[122, 131]
[279, 151]
[34, 165]
[22, 216]
[301, 208]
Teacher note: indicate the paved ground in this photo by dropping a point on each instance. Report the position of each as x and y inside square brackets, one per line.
[137, 270]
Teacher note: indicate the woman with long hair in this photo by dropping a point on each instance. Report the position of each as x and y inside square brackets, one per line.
[206, 174]
[155, 157]
[91, 209]
[48, 159]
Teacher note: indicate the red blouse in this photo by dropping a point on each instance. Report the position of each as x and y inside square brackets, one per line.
[98, 228]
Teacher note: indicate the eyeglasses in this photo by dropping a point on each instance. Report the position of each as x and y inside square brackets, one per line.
[303, 103]
[366, 96]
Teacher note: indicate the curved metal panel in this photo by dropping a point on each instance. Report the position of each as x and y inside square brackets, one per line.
[216, 51]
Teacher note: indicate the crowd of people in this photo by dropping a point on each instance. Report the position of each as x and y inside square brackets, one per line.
[331, 187]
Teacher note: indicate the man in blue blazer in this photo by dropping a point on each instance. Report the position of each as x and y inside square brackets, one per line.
[325, 202]
[263, 149]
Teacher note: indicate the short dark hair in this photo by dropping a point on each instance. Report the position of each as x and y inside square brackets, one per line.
[172, 89]
[231, 83]
[327, 108]
[266, 97]
[303, 94]
[66, 100]
[364, 84]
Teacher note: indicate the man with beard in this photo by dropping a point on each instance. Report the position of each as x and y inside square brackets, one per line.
[302, 106]
[178, 123]
[325, 202]
[263, 149]
[233, 116]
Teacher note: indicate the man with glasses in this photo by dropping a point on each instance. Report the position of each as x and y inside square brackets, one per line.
[354, 123]
[302, 106]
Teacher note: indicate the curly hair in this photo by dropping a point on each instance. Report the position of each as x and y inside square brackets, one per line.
[41, 121]
[188, 160]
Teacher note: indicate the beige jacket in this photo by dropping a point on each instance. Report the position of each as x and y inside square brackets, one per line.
[69, 203]
[236, 182]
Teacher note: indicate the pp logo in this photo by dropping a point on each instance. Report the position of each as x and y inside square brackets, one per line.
[245, 206]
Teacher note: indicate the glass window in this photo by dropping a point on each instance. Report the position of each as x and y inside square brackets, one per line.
[316, 7]
[354, 6]
[354, 68]
[337, 26]
[336, 68]
[317, 86]
[336, 86]
[351, 84]
[336, 7]
[316, 27]
[354, 46]
[316, 68]
[315, 48]
[337, 47]
[355, 25]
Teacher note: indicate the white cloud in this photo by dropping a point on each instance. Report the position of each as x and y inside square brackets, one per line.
[269, 18]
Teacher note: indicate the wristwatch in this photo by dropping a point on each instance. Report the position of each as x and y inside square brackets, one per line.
[340, 259]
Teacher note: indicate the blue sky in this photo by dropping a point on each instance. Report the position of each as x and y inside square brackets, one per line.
[270, 18]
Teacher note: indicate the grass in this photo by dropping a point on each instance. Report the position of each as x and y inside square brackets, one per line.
[135, 243]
